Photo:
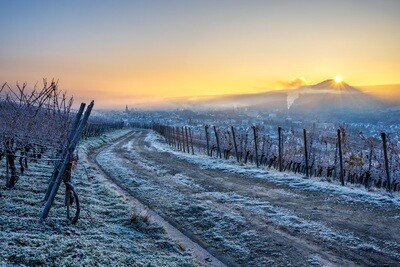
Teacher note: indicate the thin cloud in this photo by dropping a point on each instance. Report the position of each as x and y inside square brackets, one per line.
[293, 83]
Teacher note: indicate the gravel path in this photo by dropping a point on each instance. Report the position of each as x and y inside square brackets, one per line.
[250, 221]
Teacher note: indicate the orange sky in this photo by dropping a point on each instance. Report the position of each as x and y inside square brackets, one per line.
[141, 52]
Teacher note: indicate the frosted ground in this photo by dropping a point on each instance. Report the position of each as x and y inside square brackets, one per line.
[110, 231]
[257, 217]
[245, 216]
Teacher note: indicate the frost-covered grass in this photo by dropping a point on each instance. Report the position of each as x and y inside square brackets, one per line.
[350, 193]
[110, 231]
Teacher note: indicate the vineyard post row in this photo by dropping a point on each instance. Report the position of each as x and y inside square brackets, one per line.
[175, 137]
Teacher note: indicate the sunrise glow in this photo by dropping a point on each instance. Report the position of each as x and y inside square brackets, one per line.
[338, 79]
[142, 52]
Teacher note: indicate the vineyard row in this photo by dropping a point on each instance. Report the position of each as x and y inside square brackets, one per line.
[343, 155]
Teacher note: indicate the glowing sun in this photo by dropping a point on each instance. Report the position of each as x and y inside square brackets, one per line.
[338, 79]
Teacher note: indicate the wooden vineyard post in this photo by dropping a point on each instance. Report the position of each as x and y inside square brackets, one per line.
[57, 166]
[183, 140]
[218, 147]
[207, 138]
[371, 150]
[66, 160]
[255, 144]
[340, 157]
[191, 140]
[173, 137]
[7, 171]
[168, 135]
[187, 140]
[234, 143]
[389, 182]
[306, 152]
[178, 138]
[280, 149]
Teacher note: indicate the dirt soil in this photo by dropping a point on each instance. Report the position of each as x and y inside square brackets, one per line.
[248, 221]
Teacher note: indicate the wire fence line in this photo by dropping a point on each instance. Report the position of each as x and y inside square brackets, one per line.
[346, 155]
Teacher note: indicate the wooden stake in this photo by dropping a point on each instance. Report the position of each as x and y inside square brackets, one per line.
[340, 157]
[255, 144]
[280, 149]
[234, 143]
[208, 141]
[218, 147]
[187, 140]
[183, 140]
[389, 182]
[306, 152]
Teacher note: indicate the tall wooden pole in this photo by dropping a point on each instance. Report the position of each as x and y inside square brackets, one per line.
[57, 165]
[280, 149]
[306, 152]
[207, 139]
[183, 140]
[234, 143]
[67, 158]
[187, 140]
[255, 144]
[340, 157]
[178, 138]
[389, 182]
[218, 147]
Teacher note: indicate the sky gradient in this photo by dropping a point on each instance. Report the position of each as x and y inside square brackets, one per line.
[127, 52]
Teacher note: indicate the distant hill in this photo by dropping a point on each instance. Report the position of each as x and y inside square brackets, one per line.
[330, 97]
[389, 93]
[331, 85]
[327, 96]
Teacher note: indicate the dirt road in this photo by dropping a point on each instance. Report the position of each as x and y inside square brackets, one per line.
[249, 221]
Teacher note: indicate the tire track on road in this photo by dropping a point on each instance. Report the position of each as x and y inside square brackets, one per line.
[204, 254]
[151, 168]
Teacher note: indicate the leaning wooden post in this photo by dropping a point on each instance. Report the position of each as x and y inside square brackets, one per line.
[389, 182]
[255, 144]
[66, 160]
[234, 143]
[207, 138]
[218, 147]
[306, 151]
[61, 155]
[340, 157]
[280, 149]
[187, 140]
[191, 140]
